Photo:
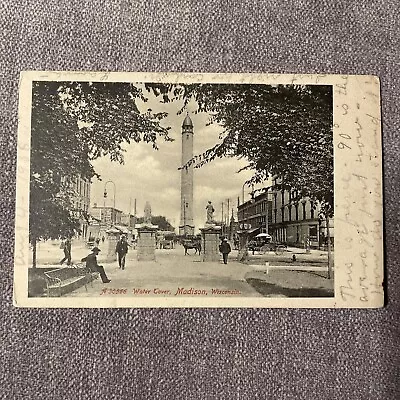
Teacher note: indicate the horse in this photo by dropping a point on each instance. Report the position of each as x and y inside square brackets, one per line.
[189, 244]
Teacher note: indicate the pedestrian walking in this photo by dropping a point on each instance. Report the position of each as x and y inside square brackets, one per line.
[93, 266]
[66, 245]
[122, 249]
[225, 249]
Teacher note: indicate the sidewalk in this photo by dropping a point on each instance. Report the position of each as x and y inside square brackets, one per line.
[173, 274]
[49, 253]
[291, 282]
[314, 257]
[284, 283]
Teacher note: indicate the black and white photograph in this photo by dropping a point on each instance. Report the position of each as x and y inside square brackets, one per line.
[187, 190]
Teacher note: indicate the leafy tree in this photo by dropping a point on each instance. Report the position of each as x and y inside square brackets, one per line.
[160, 221]
[280, 130]
[72, 124]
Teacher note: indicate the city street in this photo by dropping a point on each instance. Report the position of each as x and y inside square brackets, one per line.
[173, 200]
[171, 271]
[174, 274]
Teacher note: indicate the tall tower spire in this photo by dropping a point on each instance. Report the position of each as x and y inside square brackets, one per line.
[186, 226]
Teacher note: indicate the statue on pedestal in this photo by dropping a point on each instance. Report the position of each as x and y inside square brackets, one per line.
[210, 213]
[147, 213]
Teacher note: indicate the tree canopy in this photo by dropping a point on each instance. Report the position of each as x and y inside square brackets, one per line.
[72, 124]
[281, 130]
[160, 221]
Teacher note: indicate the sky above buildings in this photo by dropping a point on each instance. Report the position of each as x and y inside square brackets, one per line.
[153, 175]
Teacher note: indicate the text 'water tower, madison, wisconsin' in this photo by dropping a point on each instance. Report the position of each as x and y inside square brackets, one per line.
[186, 226]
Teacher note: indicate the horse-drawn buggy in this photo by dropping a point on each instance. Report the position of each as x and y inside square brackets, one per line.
[263, 243]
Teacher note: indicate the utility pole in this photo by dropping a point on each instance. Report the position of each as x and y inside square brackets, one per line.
[134, 213]
[227, 220]
[222, 218]
[266, 216]
[129, 213]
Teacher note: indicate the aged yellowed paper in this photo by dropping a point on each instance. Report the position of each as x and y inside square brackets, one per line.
[198, 190]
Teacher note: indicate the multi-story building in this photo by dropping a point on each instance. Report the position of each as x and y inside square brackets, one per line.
[296, 219]
[255, 215]
[128, 220]
[81, 202]
[291, 219]
[233, 227]
[107, 215]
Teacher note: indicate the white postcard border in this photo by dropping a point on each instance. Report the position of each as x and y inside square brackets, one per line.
[358, 193]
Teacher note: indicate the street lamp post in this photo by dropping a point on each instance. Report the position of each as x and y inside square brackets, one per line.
[105, 196]
[222, 217]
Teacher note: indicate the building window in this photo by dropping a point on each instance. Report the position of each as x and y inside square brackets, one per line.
[283, 214]
[313, 231]
[290, 212]
[283, 197]
[297, 211]
[304, 210]
[312, 210]
[275, 212]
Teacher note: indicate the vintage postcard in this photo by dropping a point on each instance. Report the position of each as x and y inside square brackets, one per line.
[198, 190]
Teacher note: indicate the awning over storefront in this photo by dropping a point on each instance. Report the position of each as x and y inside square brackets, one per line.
[122, 229]
[249, 231]
[113, 230]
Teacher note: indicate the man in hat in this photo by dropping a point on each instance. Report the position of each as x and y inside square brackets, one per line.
[91, 264]
[225, 249]
[122, 249]
[66, 246]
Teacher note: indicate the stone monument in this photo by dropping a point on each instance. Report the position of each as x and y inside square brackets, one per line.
[210, 213]
[111, 243]
[146, 244]
[186, 226]
[210, 236]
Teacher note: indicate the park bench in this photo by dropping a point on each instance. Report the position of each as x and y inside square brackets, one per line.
[87, 273]
[62, 280]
